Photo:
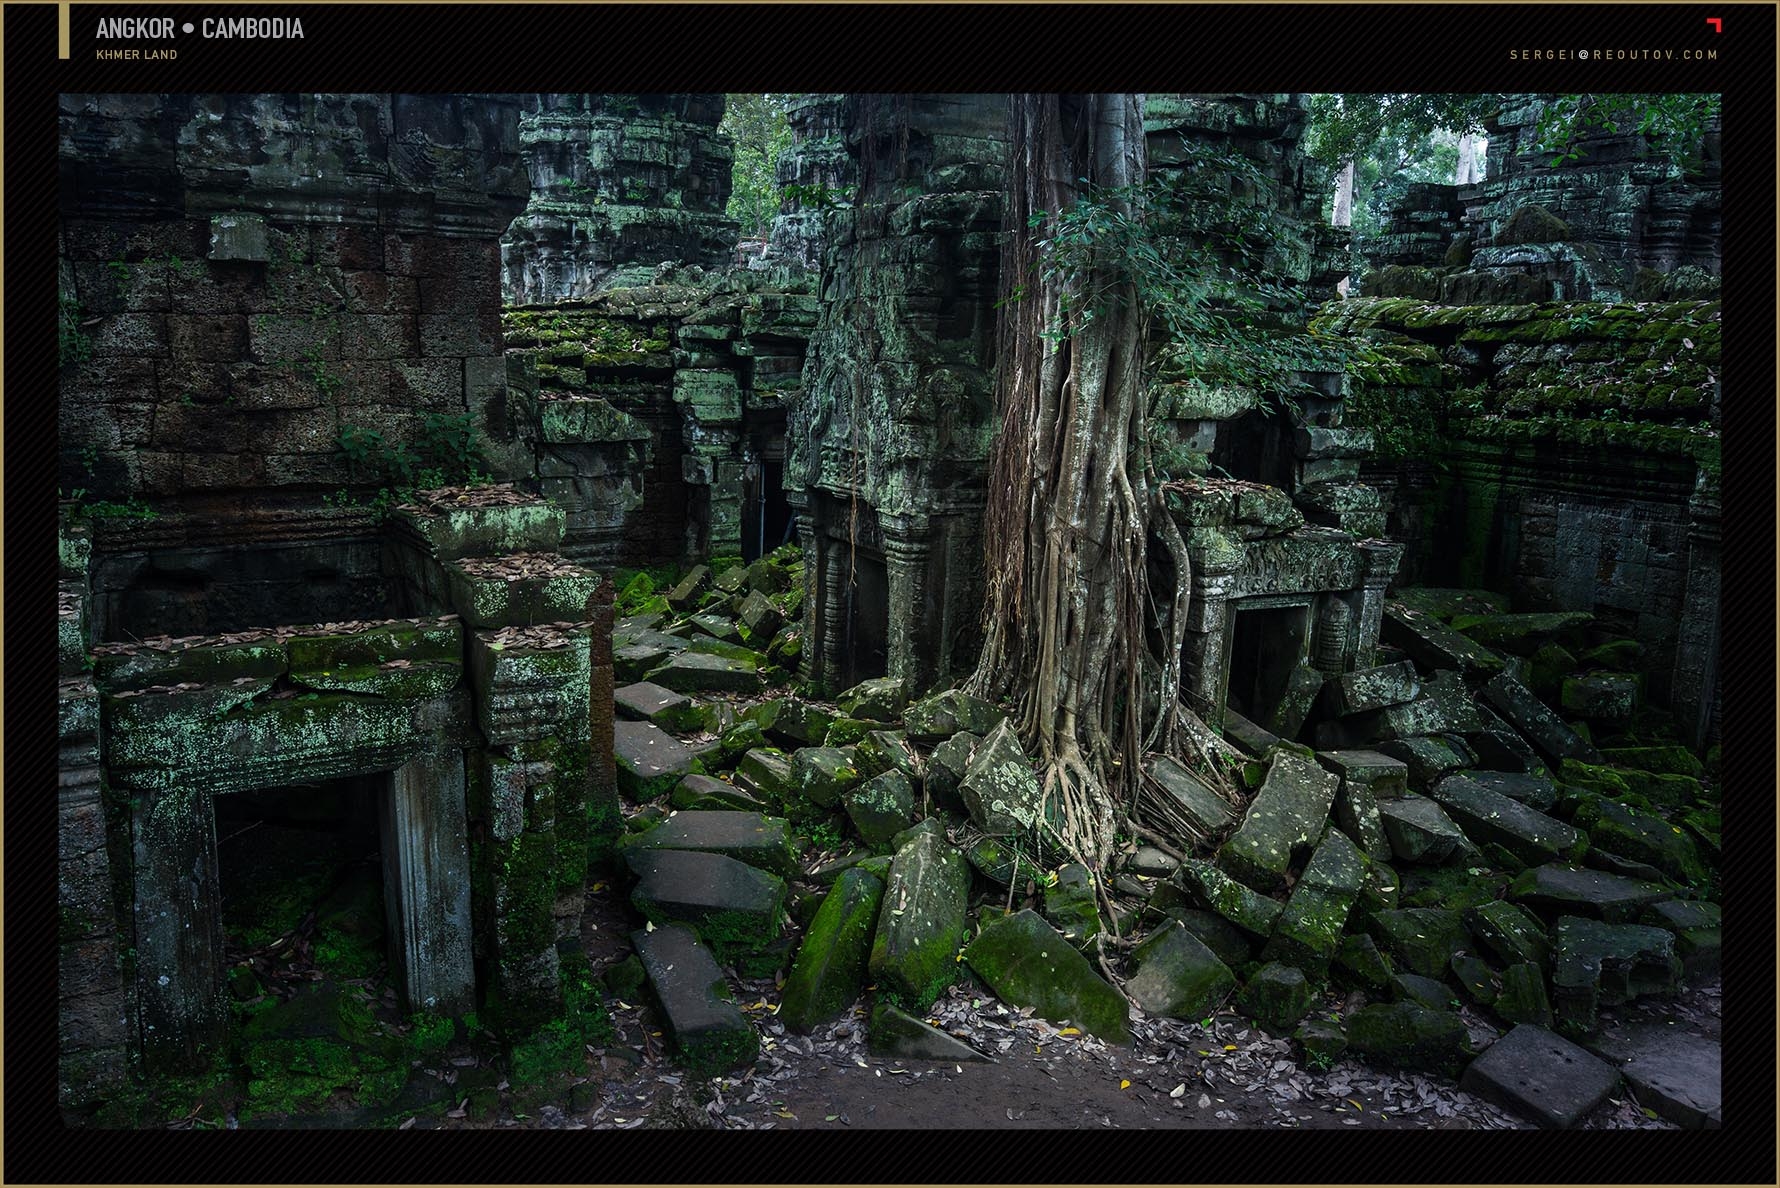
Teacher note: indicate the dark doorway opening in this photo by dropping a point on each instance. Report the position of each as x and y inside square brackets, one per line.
[766, 514]
[301, 879]
[865, 643]
[1257, 446]
[1266, 645]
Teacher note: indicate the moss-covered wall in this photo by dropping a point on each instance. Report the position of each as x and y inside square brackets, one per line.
[241, 278]
[652, 411]
[1554, 452]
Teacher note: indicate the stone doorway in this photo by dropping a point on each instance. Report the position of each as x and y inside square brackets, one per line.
[865, 639]
[422, 872]
[766, 514]
[1268, 643]
[300, 877]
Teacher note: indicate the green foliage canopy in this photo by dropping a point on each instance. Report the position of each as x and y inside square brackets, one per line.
[760, 130]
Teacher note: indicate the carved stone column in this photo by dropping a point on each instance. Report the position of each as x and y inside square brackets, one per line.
[1334, 628]
[1205, 656]
[834, 616]
[1382, 558]
[426, 883]
[813, 587]
[179, 933]
[914, 643]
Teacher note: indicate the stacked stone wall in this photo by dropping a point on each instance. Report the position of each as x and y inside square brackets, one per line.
[1566, 455]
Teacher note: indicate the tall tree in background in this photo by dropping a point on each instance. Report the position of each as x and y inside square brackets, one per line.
[757, 124]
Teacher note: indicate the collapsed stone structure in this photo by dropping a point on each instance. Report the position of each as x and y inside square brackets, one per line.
[1555, 334]
[241, 277]
[250, 286]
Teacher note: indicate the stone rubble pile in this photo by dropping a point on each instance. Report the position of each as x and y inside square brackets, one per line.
[1489, 816]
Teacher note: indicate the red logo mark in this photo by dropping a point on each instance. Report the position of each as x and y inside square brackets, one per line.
[1717, 24]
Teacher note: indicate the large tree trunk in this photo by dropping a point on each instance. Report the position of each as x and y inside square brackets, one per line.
[1069, 508]
[1343, 214]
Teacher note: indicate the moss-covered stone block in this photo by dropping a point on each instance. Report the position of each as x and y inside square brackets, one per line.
[649, 702]
[1479, 981]
[1514, 935]
[845, 732]
[881, 807]
[1310, 926]
[200, 663]
[821, 775]
[800, 723]
[1423, 939]
[534, 684]
[1669, 759]
[1487, 816]
[1276, 996]
[1642, 837]
[829, 973]
[1597, 964]
[1002, 792]
[939, 717]
[1568, 890]
[760, 841]
[578, 420]
[894, 1032]
[1410, 1036]
[703, 792]
[1216, 891]
[519, 590]
[921, 926]
[1523, 634]
[650, 761]
[1522, 998]
[1285, 818]
[880, 699]
[1177, 975]
[734, 907]
[767, 771]
[520, 524]
[1433, 644]
[1602, 696]
[1322, 1041]
[1027, 963]
[1696, 925]
[1419, 830]
[710, 1033]
[1359, 962]
[999, 861]
[1071, 905]
[700, 671]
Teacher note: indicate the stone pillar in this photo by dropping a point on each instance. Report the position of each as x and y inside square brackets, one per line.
[1381, 558]
[1334, 623]
[1205, 659]
[809, 661]
[426, 884]
[914, 647]
[834, 614]
[1694, 688]
[90, 993]
[179, 935]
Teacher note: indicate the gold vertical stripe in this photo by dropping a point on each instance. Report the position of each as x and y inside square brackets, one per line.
[62, 35]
